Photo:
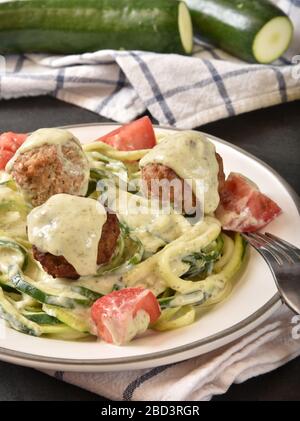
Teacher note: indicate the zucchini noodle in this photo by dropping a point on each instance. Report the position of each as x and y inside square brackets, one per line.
[130, 253]
[160, 136]
[228, 273]
[13, 211]
[214, 289]
[101, 162]
[226, 253]
[114, 153]
[197, 241]
[174, 318]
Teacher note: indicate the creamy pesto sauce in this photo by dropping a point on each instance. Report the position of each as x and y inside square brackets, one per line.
[7, 195]
[161, 231]
[69, 226]
[153, 226]
[10, 258]
[134, 326]
[12, 222]
[47, 137]
[26, 301]
[59, 138]
[146, 275]
[150, 243]
[4, 176]
[187, 299]
[102, 284]
[192, 157]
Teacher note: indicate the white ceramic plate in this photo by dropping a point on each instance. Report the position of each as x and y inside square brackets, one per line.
[252, 301]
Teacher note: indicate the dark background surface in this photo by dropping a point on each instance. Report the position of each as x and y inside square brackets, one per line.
[271, 134]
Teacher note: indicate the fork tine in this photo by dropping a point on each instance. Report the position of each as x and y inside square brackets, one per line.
[250, 240]
[260, 246]
[273, 261]
[285, 244]
[270, 244]
[288, 253]
[286, 275]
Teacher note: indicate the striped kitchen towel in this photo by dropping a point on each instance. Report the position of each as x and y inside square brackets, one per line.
[268, 347]
[179, 91]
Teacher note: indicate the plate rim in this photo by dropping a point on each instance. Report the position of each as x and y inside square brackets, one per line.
[257, 317]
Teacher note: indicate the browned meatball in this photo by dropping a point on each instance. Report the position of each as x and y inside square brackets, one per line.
[109, 238]
[46, 170]
[153, 176]
[158, 172]
[58, 266]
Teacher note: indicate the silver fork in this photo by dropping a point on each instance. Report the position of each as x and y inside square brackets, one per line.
[283, 259]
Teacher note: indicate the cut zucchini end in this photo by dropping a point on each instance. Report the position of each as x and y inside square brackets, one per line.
[185, 28]
[273, 40]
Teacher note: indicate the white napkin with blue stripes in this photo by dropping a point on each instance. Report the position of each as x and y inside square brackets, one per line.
[179, 91]
[268, 347]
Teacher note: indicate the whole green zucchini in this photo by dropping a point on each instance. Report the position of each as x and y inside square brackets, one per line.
[253, 30]
[77, 26]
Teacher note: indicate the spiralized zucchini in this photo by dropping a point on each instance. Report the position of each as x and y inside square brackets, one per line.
[170, 259]
[164, 269]
[210, 291]
[227, 253]
[13, 210]
[29, 295]
[175, 317]
[188, 267]
[110, 152]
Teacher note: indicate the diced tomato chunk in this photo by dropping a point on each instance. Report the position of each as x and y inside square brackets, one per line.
[9, 144]
[134, 136]
[243, 207]
[12, 141]
[5, 156]
[120, 315]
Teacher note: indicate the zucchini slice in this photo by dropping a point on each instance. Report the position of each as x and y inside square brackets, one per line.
[42, 324]
[12, 254]
[46, 296]
[40, 318]
[54, 330]
[185, 28]
[255, 31]
[86, 292]
[16, 320]
[73, 319]
[272, 40]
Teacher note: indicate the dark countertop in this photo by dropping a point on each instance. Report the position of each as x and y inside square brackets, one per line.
[271, 134]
